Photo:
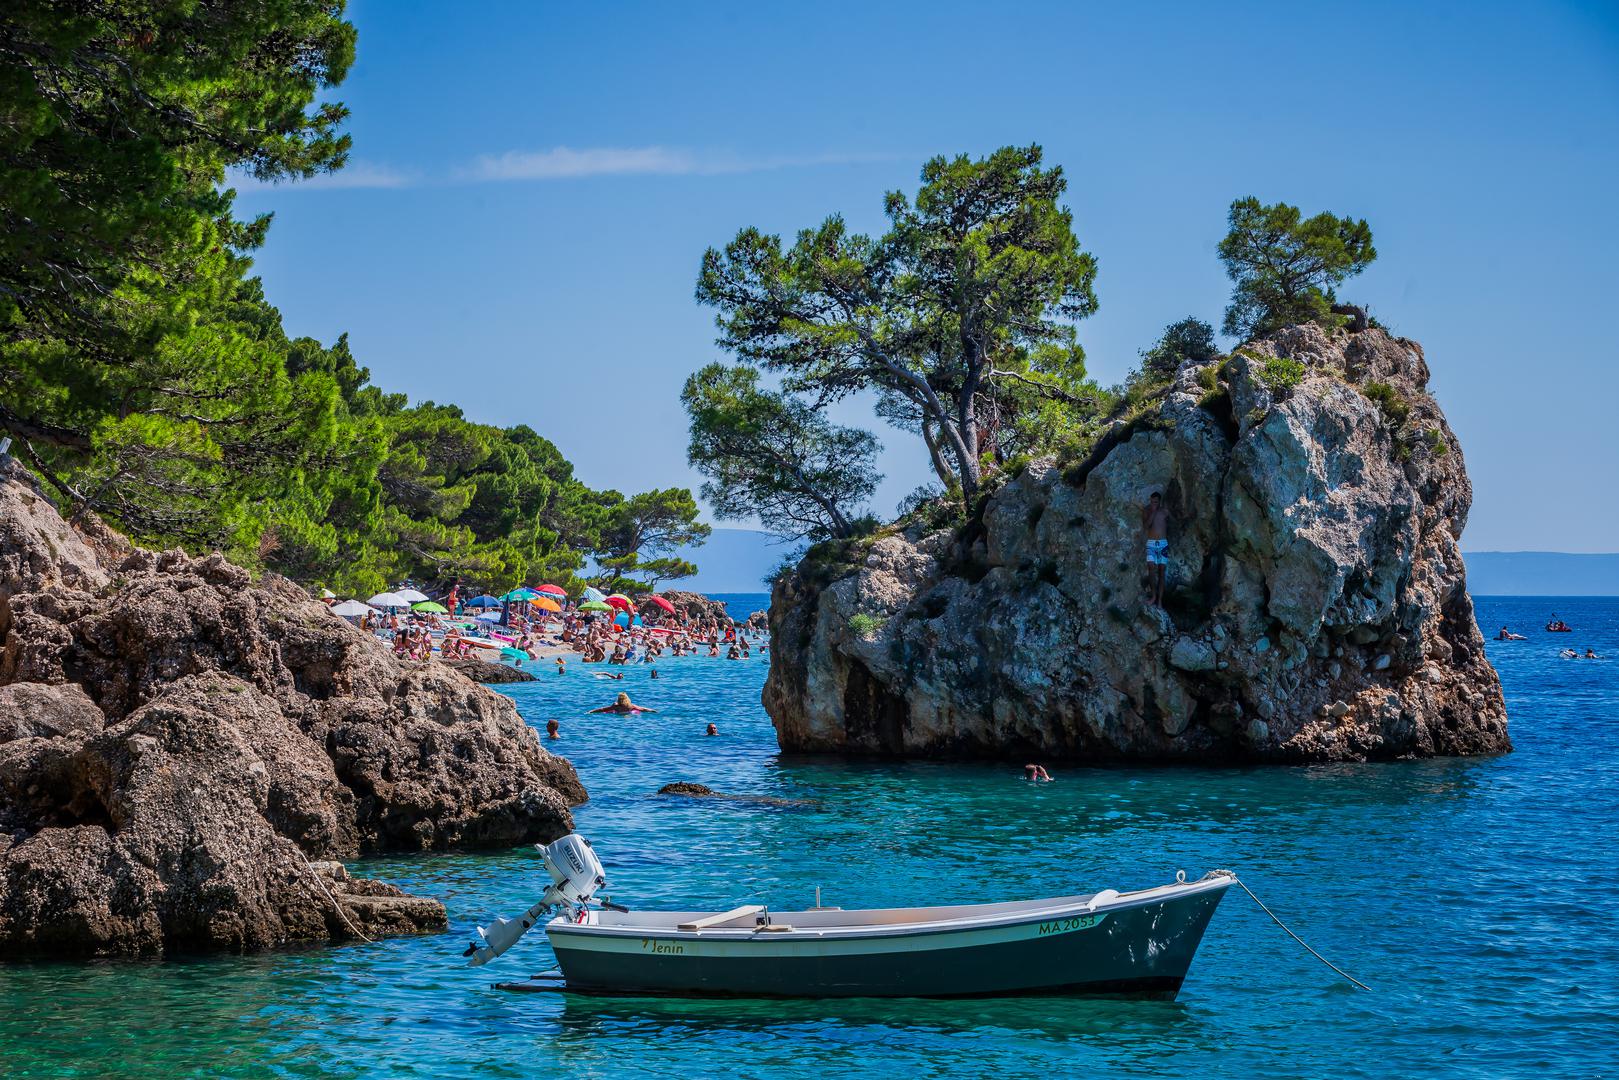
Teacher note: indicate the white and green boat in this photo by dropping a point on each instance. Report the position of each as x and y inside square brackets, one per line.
[1109, 942]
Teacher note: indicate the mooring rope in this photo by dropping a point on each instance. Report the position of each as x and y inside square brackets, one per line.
[1290, 933]
[345, 915]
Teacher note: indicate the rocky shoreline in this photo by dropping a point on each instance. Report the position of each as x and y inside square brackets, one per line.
[183, 748]
[1317, 607]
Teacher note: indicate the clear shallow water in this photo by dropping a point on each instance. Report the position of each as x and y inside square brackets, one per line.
[1472, 895]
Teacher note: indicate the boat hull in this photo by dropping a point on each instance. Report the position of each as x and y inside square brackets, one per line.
[1142, 949]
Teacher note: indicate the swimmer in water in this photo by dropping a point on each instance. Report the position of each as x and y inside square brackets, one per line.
[553, 730]
[623, 706]
[562, 666]
[713, 729]
[1036, 774]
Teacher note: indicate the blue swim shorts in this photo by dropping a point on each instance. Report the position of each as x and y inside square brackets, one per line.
[1157, 552]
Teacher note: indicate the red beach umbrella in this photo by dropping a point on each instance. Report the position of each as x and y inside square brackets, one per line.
[621, 602]
[661, 602]
[554, 590]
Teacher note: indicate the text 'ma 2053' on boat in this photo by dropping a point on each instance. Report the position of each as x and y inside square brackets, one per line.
[1125, 943]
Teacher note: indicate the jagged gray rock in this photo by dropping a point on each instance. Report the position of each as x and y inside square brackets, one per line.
[485, 671]
[178, 742]
[1313, 559]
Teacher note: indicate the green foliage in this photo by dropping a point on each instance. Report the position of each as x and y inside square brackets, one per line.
[960, 318]
[639, 533]
[1281, 372]
[1191, 340]
[933, 507]
[863, 625]
[1285, 266]
[774, 456]
[1436, 443]
[1390, 402]
[134, 373]
[142, 372]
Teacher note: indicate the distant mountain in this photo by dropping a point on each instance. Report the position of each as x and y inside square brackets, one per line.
[734, 561]
[1541, 573]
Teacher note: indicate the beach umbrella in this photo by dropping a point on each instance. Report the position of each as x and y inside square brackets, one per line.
[545, 603]
[661, 602]
[327, 594]
[411, 595]
[430, 608]
[488, 616]
[520, 593]
[595, 605]
[620, 601]
[350, 608]
[388, 600]
[483, 601]
[595, 596]
[553, 590]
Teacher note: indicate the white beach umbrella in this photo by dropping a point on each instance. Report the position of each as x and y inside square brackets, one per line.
[592, 593]
[388, 599]
[488, 616]
[327, 594]
[350, 608]
[411, 596]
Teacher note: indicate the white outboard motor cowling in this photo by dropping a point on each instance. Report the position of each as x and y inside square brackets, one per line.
[576, 874]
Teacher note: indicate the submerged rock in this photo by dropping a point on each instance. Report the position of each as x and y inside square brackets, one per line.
[685, 787]
[703, 791]
[483, 671]
[179, 744]
[1313, 560]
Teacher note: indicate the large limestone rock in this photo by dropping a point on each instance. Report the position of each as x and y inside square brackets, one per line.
[185, 753]
[1317, 607]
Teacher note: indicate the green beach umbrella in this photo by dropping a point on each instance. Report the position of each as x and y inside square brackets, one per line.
[520, 593]
[430, 608]
[595, 605]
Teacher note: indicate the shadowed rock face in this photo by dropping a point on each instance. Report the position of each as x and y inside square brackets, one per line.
[183, 752]
[695, 607]
[1316, 606]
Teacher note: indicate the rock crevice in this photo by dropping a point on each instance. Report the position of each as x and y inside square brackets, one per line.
[1316, 606]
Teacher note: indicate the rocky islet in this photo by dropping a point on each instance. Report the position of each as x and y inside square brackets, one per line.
[1317, 606]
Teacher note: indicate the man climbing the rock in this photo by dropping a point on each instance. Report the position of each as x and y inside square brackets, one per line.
[1155, 519]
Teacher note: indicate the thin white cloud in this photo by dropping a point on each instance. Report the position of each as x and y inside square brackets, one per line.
[567, 163]
[557, 163]
[356, 174]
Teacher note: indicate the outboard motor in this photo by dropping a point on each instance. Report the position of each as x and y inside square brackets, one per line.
[576, 874]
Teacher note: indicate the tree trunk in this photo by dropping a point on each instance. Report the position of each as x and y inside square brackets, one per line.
[1359, 320]
[941, 467]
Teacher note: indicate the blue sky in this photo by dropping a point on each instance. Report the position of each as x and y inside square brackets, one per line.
[532, 187]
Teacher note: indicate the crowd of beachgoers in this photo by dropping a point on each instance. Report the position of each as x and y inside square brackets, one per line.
[529, 625]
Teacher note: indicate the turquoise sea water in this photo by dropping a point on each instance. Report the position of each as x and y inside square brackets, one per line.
[1473, 896]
